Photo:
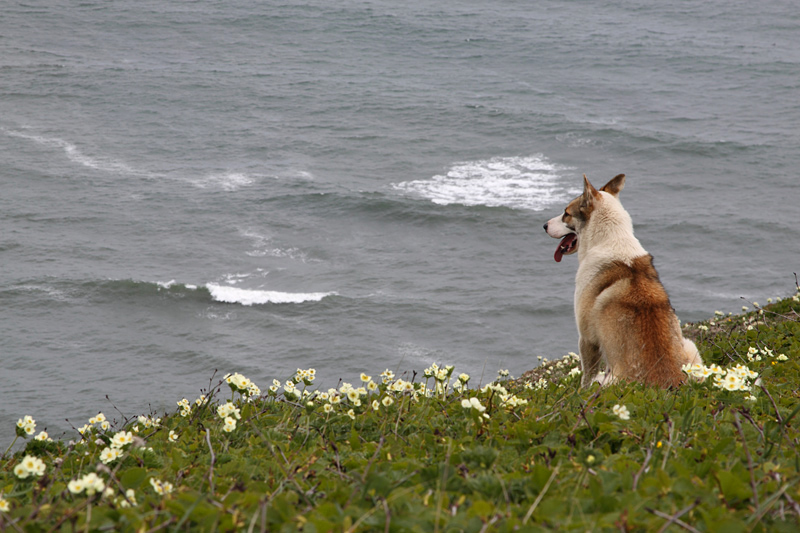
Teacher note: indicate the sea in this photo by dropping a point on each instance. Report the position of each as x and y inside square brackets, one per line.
[192, 188]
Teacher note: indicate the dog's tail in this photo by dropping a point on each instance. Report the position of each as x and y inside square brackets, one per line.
[665, 368]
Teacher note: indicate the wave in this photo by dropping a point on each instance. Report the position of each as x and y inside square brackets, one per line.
[76, 156]
[131, 290]
[517, 182]
[248, 297]
[227, 181]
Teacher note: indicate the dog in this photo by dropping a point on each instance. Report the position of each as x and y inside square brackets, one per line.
[622, 310]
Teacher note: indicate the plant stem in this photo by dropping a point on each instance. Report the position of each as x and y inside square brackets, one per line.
[9, 448]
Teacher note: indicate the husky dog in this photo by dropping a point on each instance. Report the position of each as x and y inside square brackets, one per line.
[623, 313]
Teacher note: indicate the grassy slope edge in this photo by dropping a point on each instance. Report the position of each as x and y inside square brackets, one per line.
[533, 454]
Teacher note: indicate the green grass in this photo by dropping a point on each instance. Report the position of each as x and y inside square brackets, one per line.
[545, 457]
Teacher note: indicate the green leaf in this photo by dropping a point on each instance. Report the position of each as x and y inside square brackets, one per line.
[133, 478]
[733, 487]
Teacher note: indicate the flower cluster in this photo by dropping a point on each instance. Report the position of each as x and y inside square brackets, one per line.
[29, 466]
[43, 436]
[161, 487]
[229, 413]
[757, 354]
[475, 406]
[118, 443]
[186, 407]
[26, 426]
[242, 385]
[128, 501]
[507, 400]
[731, 379]
[100, 421]
[441, 376]
[96, 421]
[90, 483]
[539, 384]
[148, 422]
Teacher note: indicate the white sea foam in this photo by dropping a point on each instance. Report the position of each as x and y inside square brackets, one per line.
[227, 181]
[76, 156]
[516, 182]
[235, 295]
[265, 248]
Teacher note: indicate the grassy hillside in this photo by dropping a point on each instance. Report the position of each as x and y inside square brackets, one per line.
[433, 452]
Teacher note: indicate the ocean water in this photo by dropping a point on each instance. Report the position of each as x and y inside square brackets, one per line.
[256, 187]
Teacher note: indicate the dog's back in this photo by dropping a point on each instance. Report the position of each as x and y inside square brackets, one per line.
[626, 313]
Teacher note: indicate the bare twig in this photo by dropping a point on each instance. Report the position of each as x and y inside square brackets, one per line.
[793, 504]
[388, 515]
[540, 496]
[638, 474]
[774, 405]
[674, 518]
[372, 459]
[213, 460]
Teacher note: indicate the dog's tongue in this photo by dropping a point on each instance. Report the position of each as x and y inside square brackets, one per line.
[565, 245]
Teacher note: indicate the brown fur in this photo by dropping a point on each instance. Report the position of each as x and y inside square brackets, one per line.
[638, 331]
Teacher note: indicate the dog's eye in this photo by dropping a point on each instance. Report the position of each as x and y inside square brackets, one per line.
[566, 214]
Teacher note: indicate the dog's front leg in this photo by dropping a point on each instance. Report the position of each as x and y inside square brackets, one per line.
[590, 361]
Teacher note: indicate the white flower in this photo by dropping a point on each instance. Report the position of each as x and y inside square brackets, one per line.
[43, 436]
[227, 409]
[365, 378]
[702, 327]
[376, 405]
[351, 414]
[121, 439]
[463, 378]
[161, 487]
[29, 465]
[230, 424]
[352, 395]
[128, 501]
[328, 408]
[109, 455]
[173, 437]
[4, 505]
[475, 403]
[782, 357]
[149, 422]
[75, 486]
[20, 471]
[575, 372]
[91, 483]
[387, 401]
[621, 411]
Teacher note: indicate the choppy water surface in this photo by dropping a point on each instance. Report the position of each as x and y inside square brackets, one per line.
[193, 186]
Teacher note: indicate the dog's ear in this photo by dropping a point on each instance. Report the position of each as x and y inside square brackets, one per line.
[589, 194]
[614, 186]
